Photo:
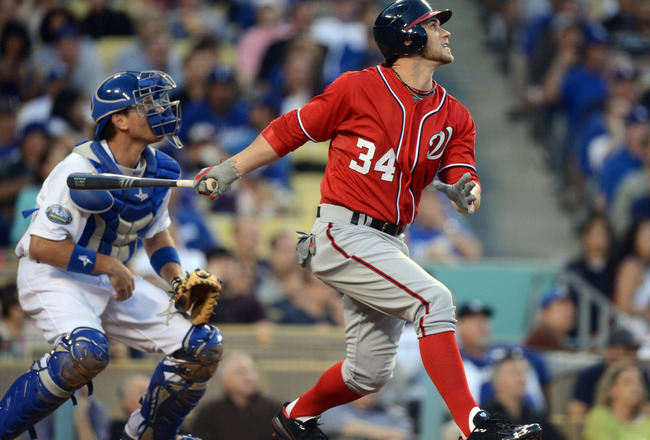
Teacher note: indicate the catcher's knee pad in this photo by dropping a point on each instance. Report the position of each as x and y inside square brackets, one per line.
[202, 350]
[179, 382]
[73, 362]
[370, 377]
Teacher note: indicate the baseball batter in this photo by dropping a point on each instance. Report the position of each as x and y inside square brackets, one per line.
[392, 130]
[72, 279]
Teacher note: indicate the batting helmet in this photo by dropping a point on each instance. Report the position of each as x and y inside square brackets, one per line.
[401, 21]
[148, 91]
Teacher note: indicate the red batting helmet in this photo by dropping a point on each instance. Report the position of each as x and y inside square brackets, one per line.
[401, 21]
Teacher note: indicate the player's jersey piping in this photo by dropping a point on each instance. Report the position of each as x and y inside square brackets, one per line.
[399, 146]
[302, 127]
[381, 274]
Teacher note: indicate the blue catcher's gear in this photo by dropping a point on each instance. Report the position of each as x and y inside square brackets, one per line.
[148, 91]
[179, 382]
[400, 22]
[73, 362]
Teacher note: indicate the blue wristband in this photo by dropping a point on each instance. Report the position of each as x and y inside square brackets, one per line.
[163, 256]
[82, 260]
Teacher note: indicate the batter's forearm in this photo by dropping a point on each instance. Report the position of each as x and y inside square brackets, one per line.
[257, 154]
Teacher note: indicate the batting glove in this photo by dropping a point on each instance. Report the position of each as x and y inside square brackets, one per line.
[460, 192]
[215, 181]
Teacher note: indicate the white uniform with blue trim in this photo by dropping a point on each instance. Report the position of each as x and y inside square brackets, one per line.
[60, 301]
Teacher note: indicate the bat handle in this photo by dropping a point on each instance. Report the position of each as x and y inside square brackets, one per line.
[211, 184]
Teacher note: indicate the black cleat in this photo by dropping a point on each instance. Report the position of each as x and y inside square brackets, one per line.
[496, 428]
[292, 429]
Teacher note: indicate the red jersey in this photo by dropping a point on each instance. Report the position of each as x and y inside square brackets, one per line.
[385, 148]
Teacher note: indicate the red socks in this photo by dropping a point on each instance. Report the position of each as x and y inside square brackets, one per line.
[329, 391]
[444, 365]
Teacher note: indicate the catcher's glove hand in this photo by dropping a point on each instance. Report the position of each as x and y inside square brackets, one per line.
[196, 294]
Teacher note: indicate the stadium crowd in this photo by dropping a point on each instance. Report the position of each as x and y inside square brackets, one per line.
[581, 70]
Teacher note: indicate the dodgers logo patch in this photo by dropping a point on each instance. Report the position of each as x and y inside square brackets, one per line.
[59, 215]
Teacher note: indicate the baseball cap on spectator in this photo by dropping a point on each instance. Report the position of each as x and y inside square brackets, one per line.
[202, 132]
[552, 295]
[595, 34]
[622, 338]
[221, 75]
[638, 114]
[473, 307]
[69, 30]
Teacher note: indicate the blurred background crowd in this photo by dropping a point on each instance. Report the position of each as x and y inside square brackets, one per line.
[578, 75]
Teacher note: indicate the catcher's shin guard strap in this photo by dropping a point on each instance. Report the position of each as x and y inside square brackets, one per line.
[167, 402]
[75, 360]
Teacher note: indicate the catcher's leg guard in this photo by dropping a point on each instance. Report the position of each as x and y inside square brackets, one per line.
[73, 362]
[178, 383]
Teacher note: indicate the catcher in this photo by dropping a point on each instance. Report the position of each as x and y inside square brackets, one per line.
[72, 279]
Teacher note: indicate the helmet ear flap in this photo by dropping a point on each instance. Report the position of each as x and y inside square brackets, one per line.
[418, 37]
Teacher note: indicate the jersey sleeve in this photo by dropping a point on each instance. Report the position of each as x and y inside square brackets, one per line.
[316, 121]
[459, 157]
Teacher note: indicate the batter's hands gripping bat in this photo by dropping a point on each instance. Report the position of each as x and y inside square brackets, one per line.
[91, 181]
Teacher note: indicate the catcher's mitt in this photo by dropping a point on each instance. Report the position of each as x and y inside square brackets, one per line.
[196, 294]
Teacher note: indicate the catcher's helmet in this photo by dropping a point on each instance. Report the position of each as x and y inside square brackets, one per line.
[401, 20]
[149, 92]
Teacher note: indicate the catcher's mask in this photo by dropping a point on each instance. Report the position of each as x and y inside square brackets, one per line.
[400, 22]
[149, 92]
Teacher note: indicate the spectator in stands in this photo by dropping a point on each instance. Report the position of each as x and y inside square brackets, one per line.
[19, 76]
[301, 79]
[9, 148]
[91, 421]
[152, 47]
[202, 59]
[602, 137]
[509, 382]
[629, 157]
[55, 152]
[367, 418]
[621, 347]
[237, 303]
[619, 411]
[17, 332]
[103, 20]
[247, 235]
[269, 27]
[244, 411]
[632, 283]
[63, 44]
[281, 271]
[20, 171]
[479, 354]
[309, 302]
[555, 319]
[301, 17]
[343, 33]
[39, 109]
[129, 392]
[195, 19]
[437, 234]
[582, 91]
[632, 198]
[70, 116]
[223, 107]
[594, 265]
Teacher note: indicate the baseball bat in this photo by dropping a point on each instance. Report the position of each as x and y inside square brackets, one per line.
[118, 181]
